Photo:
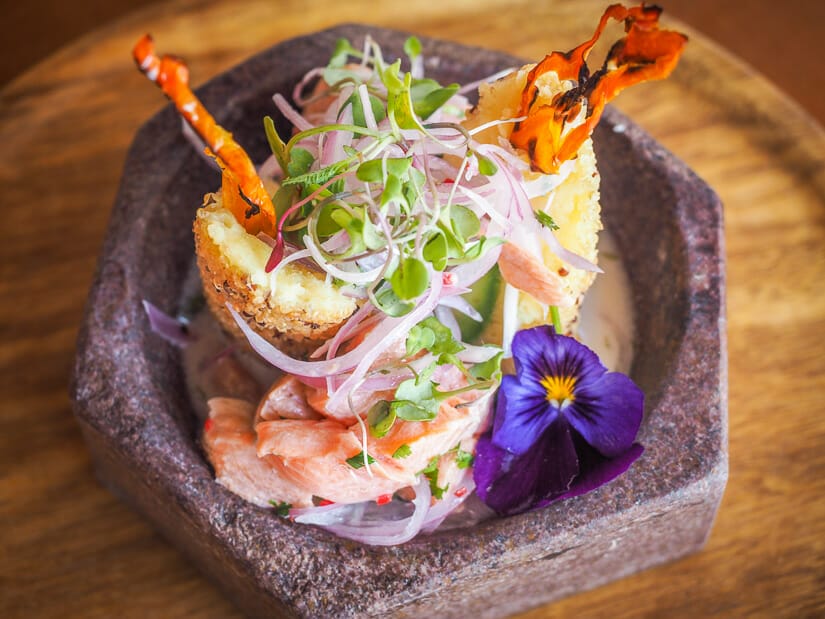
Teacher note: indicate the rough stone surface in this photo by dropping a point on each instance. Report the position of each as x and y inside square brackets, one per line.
[130, 400]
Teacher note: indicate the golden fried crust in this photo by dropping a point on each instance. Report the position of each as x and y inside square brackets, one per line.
[296, 322]
[574, 205]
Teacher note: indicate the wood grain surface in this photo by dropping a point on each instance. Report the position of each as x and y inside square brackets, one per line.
[71, 549]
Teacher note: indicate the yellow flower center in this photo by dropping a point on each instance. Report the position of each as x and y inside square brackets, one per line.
[559, 389]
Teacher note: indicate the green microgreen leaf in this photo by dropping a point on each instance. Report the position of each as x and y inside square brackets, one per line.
[556, 319]
[300, 161]
[427, 96]
[283, 199]
[326, 225]
[371, 171]
[275, 142]
[340, 52]
[388, 302]
[358, 116]
[423, 410]
[392, 191]
[403, 451]
[419, 338]
[465, 222]
[357, 461]
[486, 165]
[281, 508]
[410, 278]
[488, 370]
[477, 249]
[418, 388]
[546, 220]
[373, 238]
[380, 418]
[412, 47]
[435, 250]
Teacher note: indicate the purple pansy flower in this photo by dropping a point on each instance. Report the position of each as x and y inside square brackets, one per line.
[563, 425]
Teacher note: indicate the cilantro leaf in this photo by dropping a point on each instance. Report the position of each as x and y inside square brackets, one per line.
[463, 459]
[381, 418]
[546, 220]
[357, 461]
[281, 508]
[431, 473]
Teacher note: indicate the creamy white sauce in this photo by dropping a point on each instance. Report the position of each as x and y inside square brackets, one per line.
[606, 320]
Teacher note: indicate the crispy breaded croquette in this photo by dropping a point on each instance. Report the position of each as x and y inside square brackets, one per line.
[297, 309]
[574, 205]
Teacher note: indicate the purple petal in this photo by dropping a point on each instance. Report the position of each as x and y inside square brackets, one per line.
[608, 413]
[540, 352]
[522, 415]
[511, 484]
[596, 470]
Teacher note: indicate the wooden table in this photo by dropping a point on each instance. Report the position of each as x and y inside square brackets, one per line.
[71, 549]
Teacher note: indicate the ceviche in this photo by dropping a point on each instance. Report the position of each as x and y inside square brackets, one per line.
[409, 268]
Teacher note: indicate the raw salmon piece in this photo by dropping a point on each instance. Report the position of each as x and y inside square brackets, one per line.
[522, 270]
[229, 441]
[286, 399]
[314, 455]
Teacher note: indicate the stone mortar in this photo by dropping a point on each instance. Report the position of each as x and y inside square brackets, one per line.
[130, 400]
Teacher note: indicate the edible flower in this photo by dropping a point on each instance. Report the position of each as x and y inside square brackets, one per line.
[550, 133]
[563, 425]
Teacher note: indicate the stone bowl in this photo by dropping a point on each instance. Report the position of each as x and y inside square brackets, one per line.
[130, 399]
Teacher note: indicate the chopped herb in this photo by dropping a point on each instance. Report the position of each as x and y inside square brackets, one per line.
[357, 461]
[546, 221]
[431, 473]
[381, 418]
[281, 508]
[463, 459]
[404, 451]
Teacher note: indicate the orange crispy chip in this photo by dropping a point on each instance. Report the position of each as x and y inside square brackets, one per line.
[243, 190]
[645, 53]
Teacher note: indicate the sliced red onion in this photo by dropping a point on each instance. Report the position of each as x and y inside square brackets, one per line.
[385, 334]
[311, 369]
[298, 91]
[197, 143]
[348, 328]
[270, 168]
[446, 317]
[462, 305]
[470, 272]
[473, 86]
[292, 115]
[449, 503]
[169, 328]
[510, 320]
[384, 526]
[536, 230]
[477, 354]
[362, 278]
[369, 117]
[495, 123]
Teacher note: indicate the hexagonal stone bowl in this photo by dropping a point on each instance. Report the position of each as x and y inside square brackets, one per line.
[131, 403]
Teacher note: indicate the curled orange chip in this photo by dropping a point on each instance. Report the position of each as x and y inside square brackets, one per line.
[645, 53]
[242, 188]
